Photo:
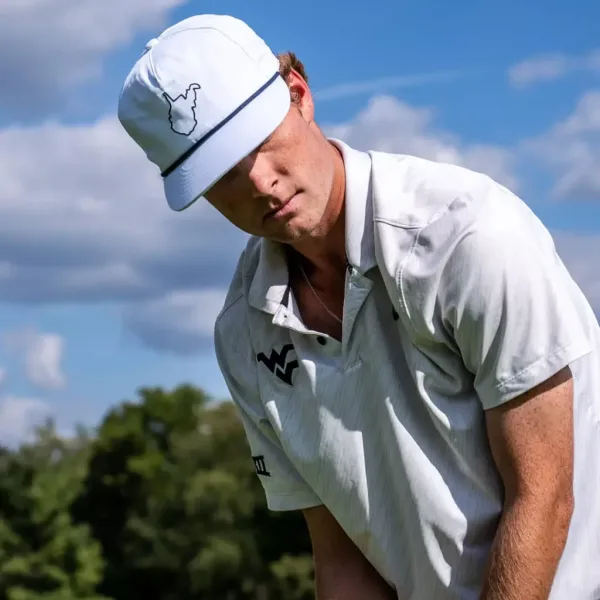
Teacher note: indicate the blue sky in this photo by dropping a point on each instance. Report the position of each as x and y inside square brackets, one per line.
[104, 290]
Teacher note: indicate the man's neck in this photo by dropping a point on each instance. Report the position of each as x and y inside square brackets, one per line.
[328, 252]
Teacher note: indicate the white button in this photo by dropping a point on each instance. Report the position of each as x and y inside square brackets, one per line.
[151, 44]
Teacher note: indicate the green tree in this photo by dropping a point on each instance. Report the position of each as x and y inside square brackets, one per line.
[172, 496]
[160, 502]
[44, 555]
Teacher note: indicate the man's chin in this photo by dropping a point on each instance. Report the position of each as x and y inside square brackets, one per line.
[291, 239]
[292, 233]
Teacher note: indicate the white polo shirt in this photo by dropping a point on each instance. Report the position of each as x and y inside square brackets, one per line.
[456, 302]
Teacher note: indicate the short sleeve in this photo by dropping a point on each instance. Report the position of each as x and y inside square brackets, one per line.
[284, 487]
[515, 314]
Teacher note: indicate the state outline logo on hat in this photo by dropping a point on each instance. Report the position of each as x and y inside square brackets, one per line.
[184, 104]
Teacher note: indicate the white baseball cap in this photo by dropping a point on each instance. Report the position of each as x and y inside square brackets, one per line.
[203, 95]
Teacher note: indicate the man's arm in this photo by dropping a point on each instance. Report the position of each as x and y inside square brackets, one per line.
[341, 570]
[531, 438]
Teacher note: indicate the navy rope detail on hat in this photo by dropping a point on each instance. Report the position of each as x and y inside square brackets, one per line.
[216, 128]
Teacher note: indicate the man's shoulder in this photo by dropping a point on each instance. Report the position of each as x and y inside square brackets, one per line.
[232, 338]
[413, 192]
[234, 306]
[433, 217]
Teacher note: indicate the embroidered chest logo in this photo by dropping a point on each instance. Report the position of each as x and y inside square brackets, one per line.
[279, 364]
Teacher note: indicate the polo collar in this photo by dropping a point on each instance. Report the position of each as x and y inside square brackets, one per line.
[360, 238]
[271, 279]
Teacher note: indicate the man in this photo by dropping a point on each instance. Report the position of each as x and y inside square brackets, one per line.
[413, 365]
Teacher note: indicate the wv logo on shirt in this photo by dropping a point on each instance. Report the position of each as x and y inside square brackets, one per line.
[278, 364]
[182, 110]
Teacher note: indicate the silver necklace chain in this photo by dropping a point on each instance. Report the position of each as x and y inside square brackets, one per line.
[317, 295]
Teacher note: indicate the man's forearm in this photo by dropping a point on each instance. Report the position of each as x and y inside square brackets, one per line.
[529, 543]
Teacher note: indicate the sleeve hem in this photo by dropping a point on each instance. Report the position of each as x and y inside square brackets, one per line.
[536, 373]
[291, 501]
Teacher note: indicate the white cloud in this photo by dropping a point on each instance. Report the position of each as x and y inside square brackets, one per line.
[47, 46]
[42, 356]
[541, 68]
[571, 150]
[18, 417]
[43, 361]
[550, 67]
[83, 218]
[357, 88]
[390, 125]
[182, 322]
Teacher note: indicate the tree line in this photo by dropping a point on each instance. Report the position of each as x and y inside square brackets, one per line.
[160, 502]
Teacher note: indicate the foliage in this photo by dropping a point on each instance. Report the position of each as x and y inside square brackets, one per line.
[161, 502]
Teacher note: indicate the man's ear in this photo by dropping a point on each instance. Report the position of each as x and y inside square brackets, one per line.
[301, 96]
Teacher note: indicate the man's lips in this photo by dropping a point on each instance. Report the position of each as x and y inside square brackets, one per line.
[274, 211]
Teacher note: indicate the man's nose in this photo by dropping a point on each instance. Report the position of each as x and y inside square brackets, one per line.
[263, 177]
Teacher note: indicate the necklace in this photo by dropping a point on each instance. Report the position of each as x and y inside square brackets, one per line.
[330, 313]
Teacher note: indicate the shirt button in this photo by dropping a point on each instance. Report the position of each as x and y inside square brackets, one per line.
[151, 44]
[321, 340]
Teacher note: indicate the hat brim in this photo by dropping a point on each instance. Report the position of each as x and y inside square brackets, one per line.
[235, 140]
